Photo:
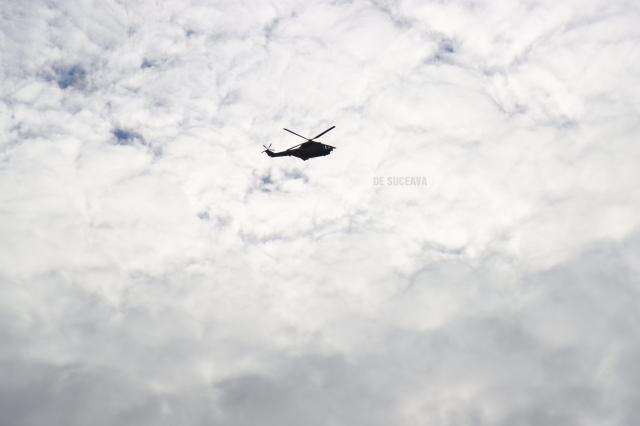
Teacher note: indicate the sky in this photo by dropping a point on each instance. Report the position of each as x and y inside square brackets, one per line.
[157, 269]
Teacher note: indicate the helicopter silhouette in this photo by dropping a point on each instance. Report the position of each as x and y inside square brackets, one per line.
[305, 150]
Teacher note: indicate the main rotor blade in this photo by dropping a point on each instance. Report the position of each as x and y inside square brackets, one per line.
[297, 134]
[316, 137]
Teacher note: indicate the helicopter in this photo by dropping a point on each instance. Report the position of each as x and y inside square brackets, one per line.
[305, 150]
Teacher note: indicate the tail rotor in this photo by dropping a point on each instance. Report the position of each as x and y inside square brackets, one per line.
[266, 148]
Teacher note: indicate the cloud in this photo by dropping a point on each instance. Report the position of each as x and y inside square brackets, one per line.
[459, 346]
[156, 268]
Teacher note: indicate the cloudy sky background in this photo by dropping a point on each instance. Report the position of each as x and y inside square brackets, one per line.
[157, 269]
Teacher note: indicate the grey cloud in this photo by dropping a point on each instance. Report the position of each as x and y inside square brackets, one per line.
[541, 349]
[77, 395]
[486, 364]
[314, 391]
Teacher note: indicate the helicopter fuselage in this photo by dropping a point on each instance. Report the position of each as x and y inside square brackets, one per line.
[304, 151]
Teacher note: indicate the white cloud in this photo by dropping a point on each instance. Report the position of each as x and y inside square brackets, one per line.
[155, 268]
